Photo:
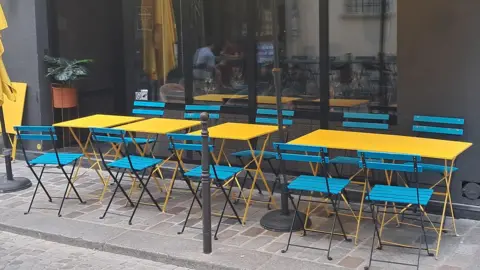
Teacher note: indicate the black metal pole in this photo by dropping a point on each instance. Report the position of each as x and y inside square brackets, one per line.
[207, 211]
[381, 57]
[8, 183]
[280, 220]
[324, 57]
[7, 152]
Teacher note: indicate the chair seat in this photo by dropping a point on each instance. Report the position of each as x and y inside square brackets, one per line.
[51, 159]
[433, 167]
[397, 194]
[138, 163]
[345, 160]
[140, 140]
[223, 172]
[318, 184]
[248, 153]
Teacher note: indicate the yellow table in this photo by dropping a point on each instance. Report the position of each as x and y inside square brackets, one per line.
[244, 132]
[343, 103]
[218, 97]
[426, 148]
[159, 126]
[99, 121]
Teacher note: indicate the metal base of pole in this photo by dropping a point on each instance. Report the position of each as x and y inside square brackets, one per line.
[17, 184]
[277, 221]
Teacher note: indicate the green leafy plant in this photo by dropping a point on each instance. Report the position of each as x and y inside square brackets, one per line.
[64, 71]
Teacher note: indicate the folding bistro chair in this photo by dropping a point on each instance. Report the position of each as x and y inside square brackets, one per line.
[137, 166]
[55, 159]
[266, 117]
[358, 122]
[438, 128]
[327, 187]
[218, 174]
[383, 195]
[192, 112]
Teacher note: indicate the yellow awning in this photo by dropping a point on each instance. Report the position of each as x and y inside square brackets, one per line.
[5, 83]
[159, 38]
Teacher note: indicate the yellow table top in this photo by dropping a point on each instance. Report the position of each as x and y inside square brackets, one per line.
[238, 131]
[159, 125]
[429, 148]
[99, 121]
[347, 103]
[273, 99]
[218, 97]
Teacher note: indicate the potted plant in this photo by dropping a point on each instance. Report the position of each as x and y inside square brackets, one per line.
[64, 73]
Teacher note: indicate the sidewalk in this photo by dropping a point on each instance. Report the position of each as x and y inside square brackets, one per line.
[153, 235]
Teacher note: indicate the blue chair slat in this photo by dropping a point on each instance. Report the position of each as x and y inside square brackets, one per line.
[107, 139]
[248, 153]
[185, 137]
[378, 165]
[439, 120]
[138, 163]
[388, 156]
[403, 195]
[427, 167]
[365, 125]
[345, 160]
[148, 112]
[35, 128]
[190, 115]
[438, 130]
[107, 131]
[301, 158]
[51, 159]
[273, 121]
[366, 116]
[149, 104]
[189, 147]
[37, 137]
[299, 147]
[318, 184]
[203, 108]
[139, 140]
[223, 172]
[274, 112]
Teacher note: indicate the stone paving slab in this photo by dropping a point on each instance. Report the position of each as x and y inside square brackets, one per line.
[153, 234]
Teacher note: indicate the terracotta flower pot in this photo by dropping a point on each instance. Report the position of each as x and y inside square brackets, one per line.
[64, 97]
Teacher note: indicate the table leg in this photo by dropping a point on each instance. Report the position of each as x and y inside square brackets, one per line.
[258, 171]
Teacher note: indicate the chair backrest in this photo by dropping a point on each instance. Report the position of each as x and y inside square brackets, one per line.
[269, 117]
[36, 133]
[438, 125]
[366, 120]
[115, 137]
[148, 108]
[386, 161]
[186, 142]
[192, 112]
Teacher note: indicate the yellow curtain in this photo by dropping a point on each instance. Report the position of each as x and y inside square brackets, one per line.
[5, 83]
[159, 38]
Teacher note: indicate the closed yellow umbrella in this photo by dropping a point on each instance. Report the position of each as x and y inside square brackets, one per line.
[159, 38]
[5, 83]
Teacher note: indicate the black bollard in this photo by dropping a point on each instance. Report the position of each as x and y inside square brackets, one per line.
[207, 211]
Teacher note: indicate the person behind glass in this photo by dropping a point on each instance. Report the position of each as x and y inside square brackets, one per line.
[204, 67]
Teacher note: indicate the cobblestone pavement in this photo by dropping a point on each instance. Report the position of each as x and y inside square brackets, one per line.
[456, 252]
[22, 252]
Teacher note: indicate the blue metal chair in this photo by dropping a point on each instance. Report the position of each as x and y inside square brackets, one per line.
[266, 117]
[359, 121]
[437, 127]
[218, 174]
[326, 186]
[138, 166]
[192, 112]
[383, 195]
[146, 109]
[53, 159]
